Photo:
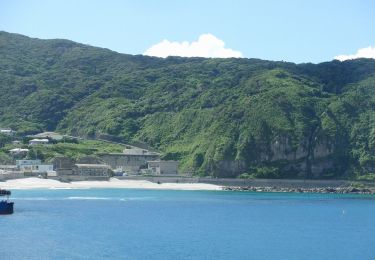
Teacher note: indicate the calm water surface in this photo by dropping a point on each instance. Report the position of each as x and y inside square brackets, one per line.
[147, 224]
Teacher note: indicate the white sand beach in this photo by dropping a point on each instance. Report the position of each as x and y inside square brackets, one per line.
[37, 183]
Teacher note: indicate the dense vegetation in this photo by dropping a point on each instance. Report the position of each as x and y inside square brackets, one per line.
[73, 148]
[219, 117]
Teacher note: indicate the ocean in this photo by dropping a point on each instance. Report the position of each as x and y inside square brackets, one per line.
[166, 224]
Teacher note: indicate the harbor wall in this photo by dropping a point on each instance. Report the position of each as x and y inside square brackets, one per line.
[280, 183]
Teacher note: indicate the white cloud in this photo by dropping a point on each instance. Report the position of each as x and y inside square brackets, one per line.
[207, 46]
[368, 52]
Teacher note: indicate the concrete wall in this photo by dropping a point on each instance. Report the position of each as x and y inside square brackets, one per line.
[163, 167]
[63, 163]
[280, 183]
[91, 171]
[69, 178]
[11, 175]
[37, 168]
[64, 172]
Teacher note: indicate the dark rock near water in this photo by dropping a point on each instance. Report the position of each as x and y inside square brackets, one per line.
[339, 190]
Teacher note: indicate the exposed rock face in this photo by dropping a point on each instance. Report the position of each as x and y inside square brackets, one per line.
[311, 158]
[281, 149]
[323, 149]
[369, 167]
[231, 168]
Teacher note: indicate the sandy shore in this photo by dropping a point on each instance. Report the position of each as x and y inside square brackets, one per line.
[36, 183]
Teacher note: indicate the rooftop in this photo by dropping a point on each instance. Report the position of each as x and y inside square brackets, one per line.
[92, 165]
[39, 140]
[52, 135]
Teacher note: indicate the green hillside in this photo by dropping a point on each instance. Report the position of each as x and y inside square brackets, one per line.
[219, 117]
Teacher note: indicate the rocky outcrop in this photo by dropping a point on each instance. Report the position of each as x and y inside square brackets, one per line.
[310, 158]
[230, 168]
[338, 190]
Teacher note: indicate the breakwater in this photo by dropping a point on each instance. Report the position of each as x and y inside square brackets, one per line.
[338, 190]
[278, 185]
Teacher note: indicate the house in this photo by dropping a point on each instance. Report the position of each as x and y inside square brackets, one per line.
[33, 166]
[16, 142]
[163, 167]
[38, 141]
[50, 135]
[7, 131]
[16, 151]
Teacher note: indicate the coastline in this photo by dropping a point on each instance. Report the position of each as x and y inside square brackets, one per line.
[291, 186]
[37, 183]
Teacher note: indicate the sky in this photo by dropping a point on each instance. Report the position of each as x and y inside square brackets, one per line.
[290, 30]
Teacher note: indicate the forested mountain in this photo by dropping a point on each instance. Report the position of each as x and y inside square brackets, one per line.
[219, 117]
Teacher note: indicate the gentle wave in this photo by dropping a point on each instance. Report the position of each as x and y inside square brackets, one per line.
[137, 198]
[68, 188]
[67, 198]
[86, 198]
[36, 198]
[89, 198]
[112, 198]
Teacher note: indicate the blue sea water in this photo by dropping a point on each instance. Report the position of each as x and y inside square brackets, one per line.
[149, 224]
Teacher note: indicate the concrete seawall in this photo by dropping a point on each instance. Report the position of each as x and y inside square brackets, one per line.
[280, 183]
[11, 175]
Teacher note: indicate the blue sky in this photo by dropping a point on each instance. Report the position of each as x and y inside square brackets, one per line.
[290, 30]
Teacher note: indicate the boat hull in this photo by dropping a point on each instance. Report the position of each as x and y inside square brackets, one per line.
[6, 207]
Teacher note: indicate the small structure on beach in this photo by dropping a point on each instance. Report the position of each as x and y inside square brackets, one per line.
[131, 161]
[163, 167]
[33, 166]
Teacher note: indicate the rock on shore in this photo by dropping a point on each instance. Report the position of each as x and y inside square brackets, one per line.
[338, 190]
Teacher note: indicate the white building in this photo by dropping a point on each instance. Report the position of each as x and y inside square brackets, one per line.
[38, 141]
[7, 131]
[33, 166]
[15, 151]
[51, 135]
[163, 167]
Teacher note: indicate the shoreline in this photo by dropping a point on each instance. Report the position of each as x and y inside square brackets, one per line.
[169, 184]
[37, 183]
